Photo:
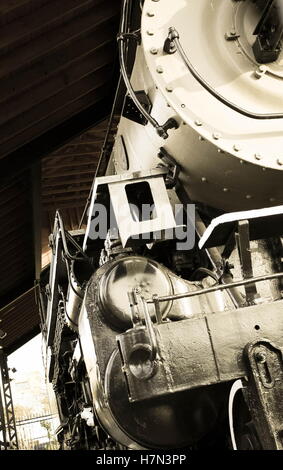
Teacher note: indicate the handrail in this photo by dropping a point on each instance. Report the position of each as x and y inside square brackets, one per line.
[220, 287]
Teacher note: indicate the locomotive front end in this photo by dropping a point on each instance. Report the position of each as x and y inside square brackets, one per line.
[198, 64]
[164, 315]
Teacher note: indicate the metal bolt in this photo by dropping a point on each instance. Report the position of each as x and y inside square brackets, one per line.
[198, 123]
[216, 135]
[260, 71]
[248, 196]
[258, 156]
[260, 356]
[231, 35]
[183, 105]
[237, 148]
[280, 161]
[150, 32]
[159, 69]
[169, 89]
[225, 190]
[203, 179]
[150, 13]
[153, 50]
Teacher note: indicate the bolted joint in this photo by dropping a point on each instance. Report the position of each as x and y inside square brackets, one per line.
[260, 356]
[169, 44]
[173, 34]
[171, 123]
[136, 35]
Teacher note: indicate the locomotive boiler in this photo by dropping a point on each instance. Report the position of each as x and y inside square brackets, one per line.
[164, 321]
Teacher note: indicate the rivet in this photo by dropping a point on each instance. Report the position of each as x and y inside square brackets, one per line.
[248, 196]
[153, 50]
[216, 135]
[159, 69]
[183, 105]
[272, 199]
[280, 161]
[263, 168]
[203, 179]
[225, 190]
[169, 89]
[155, 0]
[150, 32]
[260, 71]
[198, 123]
[258, 156]
[237, 148]
[150, 13]
[260, 356]
[200, 137]
[220, 151]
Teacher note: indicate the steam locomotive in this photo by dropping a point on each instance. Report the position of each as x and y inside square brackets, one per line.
[163, 317]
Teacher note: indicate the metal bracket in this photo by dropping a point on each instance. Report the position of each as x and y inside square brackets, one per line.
[243, 242]
[133, 231]
[264, 390]
[130, 110]
[169, 44]
[173, 168]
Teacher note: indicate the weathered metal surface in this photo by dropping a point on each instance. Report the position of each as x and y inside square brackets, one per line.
[126, 421]
[264, 391]
[209, 349]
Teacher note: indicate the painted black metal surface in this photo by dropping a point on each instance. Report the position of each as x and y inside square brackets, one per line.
[209, 349]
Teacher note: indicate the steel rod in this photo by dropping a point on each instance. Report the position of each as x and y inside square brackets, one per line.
[216, 288]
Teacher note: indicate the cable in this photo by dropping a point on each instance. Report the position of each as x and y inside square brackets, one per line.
[174, 37]
[124, 36]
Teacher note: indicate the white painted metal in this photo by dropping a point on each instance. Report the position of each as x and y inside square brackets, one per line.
[228, 160]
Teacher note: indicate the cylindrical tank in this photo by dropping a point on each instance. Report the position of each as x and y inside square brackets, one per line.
[228, 159]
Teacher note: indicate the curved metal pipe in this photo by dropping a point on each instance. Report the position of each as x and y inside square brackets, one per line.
[174, 38]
